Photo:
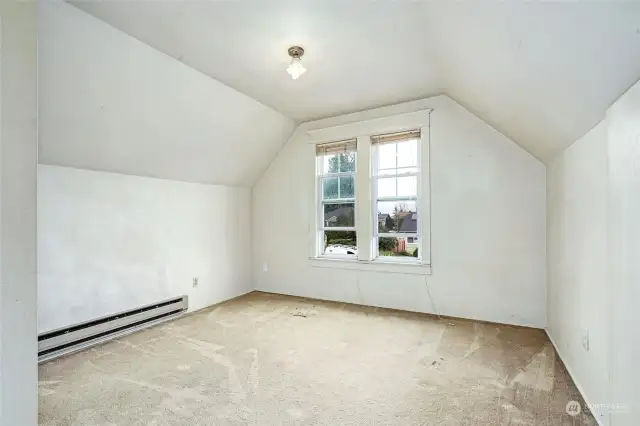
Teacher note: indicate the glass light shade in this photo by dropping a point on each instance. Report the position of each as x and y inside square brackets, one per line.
[295, 68]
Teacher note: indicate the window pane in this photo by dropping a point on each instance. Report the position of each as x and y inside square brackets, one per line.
[347, 186]
[338, 187]
[408, 185]
[408, 153]
[347, 162]
[339, 214]
[392, 187]
[342, 162]
[330, 188]
[331, 164]
[340, 243]
[386, 156]
[398, 246]
[386, 187]
[397, 216]
[399, 157]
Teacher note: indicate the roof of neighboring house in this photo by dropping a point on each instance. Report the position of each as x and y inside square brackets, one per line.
[409, 223]
[383, 216]
[340, 211]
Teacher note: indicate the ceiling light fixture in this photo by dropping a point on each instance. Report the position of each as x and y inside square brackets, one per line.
[295, 68]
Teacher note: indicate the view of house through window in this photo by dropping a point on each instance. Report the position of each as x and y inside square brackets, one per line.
[396, 174]
[395, 195]
[336, 181]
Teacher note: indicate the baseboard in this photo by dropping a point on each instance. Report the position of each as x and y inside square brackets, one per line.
[429, 314]
[213, 305]
[573, 377]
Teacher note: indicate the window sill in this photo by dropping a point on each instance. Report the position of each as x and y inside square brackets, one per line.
[378, 265]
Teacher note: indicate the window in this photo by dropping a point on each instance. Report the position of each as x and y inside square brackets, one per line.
[336, 182]
[395, 195]
[372, 202]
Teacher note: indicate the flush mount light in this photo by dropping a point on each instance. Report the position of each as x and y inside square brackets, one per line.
[295, 68]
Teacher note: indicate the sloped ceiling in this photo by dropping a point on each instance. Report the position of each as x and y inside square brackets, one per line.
[359, 53]
[542, 73]
[109, 102]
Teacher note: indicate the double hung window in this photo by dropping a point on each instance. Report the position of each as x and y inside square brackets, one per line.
[336, 176]
[372, 197]
[396, 194]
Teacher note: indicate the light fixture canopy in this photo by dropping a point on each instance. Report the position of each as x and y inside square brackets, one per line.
[295, 68]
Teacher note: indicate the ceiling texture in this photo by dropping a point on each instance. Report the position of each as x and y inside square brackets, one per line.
[542, 73]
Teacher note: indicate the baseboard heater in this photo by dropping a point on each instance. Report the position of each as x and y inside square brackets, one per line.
[67, 340]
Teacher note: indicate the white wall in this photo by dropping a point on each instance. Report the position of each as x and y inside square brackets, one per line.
[594, 244]
[624, 254]
[109, 102]
[488, 226]
[18, 159]
[578, 294]
[109, 242]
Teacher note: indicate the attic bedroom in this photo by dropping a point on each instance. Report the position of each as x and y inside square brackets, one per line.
[319, 213]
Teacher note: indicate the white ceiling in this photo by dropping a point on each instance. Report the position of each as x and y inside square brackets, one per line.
[543, 73]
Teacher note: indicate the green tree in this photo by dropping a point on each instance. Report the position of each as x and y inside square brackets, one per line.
[340, 187]
[387, 243]
[347, 238]
[388, 223]
[343, 162]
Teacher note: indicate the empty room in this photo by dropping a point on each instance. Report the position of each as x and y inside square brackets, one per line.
[319, 212]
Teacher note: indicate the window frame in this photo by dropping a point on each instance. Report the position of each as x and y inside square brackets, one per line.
[375, 177]
[339, 129]
[321, 227]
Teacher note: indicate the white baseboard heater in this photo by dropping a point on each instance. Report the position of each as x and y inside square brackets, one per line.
[67, 340]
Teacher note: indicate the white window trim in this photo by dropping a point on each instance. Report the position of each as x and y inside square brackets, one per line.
[371, 265]
[363, 130]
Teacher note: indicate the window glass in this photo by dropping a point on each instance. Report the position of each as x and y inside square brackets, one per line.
[330, 189]
[394, 187]
[397, 217]
[339, 215]
[407, 153]
[397, 247]
[347, 162]
[341, 162]
[343, 243]
[347, 186]
[386, 156]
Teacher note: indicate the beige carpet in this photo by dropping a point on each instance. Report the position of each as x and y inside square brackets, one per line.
[278, 360]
